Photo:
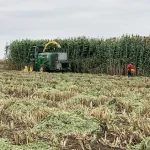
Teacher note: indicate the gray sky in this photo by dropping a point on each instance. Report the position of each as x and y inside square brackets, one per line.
[38, 19]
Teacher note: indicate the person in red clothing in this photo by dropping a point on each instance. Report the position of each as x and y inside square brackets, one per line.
[130, 67]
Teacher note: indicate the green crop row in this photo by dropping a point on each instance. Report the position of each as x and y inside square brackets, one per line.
[93, 55]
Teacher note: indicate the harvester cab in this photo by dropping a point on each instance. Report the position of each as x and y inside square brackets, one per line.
[35, 50]
[40, 60]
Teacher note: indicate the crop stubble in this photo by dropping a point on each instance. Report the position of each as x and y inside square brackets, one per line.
[68, 110]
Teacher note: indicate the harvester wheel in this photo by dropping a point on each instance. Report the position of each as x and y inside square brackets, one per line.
[43, 68]
[26, 68]
[31, 67]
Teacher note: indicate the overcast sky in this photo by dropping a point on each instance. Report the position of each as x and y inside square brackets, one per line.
[38, 19]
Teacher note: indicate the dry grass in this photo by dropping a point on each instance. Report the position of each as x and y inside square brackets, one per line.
[2, 65]
[70, 111]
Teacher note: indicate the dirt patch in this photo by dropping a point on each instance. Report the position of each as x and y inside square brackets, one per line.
[81, 144]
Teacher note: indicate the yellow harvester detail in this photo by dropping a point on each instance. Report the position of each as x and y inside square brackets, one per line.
[51, 42]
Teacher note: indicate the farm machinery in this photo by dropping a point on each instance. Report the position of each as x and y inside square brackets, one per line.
[40, 60]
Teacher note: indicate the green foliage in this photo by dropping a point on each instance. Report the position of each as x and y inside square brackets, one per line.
[71, 122]
[92, 54]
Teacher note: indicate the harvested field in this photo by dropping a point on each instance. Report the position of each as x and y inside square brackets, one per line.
[73, 111]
